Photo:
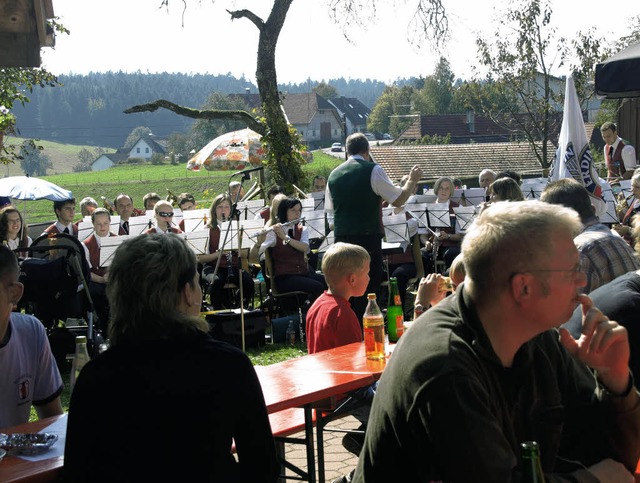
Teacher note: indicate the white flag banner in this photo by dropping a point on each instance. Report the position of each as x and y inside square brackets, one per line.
[573, 157]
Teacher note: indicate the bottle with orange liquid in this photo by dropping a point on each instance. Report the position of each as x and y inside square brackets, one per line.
[373, 324]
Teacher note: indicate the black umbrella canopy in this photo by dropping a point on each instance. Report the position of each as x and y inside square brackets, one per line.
[619, 75]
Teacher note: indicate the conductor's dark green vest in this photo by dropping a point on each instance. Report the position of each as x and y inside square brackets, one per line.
[357, 209]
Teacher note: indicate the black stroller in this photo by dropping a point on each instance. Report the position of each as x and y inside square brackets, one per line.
[55, 275]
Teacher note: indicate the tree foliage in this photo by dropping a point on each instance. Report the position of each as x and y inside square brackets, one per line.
[33, 161]
[135, 134]
[325, 90]
[280, 139]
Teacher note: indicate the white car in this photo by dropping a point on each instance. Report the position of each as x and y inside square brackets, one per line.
[336, 147]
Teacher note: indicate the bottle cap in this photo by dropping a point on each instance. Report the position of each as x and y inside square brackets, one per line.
[371, 296]
[81, 338]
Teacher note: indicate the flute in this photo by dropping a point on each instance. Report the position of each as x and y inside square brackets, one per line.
[267, 230]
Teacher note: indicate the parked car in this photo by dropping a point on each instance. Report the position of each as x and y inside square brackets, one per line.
[336, 147]
[370, 136]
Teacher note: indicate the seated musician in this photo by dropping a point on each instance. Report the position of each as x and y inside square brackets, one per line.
[289, 245]
[87, 205]
[265, 213]
[186, 202]
[65, 211]
[101, 220]
[624, 228]
[13, 233]
[229, 265]
[447, 241]
[163, 211]
[124, 207]
[149, 200]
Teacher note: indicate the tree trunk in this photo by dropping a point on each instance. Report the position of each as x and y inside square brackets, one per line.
[284, 160]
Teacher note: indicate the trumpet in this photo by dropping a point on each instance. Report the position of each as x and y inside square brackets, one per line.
[173, 199]
[270, 228]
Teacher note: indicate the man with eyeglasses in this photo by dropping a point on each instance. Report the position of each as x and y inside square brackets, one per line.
[486, 369]
[164, 219]
[65, 211]
[29, 375]
[603, 254]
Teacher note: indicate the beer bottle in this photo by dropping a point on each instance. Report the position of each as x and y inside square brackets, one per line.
[531, 466]
[80, 358]
[373, 324]
[395, 313]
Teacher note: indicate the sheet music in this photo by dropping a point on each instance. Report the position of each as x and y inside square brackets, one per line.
[318, 199]
[229, 239]
[464, 217]
[307, 204]
[249, 229]
[195, 219]
[327, 242]
[315, 223]
[177, 216]
[419, 211]
[438, 215]
[469, 196]
[428, 197]
[609, 216]
[197, 240]
[250, 208]
[138, 224]
[109, 246]
[533, 190]
[85, 228]
[395, 228]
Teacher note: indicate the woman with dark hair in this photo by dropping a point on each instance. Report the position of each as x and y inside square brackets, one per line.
[13, 233]
[229, 266]
[505, 189]
[166, 402]
[289, 245]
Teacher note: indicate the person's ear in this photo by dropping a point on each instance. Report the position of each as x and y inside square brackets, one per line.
[17, 290]
[520, 286]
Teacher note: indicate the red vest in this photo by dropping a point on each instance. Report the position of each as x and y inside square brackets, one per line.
[54, 229]
[153, 230]
[94, 254]
[615, 164]
[286, 259]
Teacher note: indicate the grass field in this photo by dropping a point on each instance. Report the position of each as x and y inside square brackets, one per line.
[137, 180]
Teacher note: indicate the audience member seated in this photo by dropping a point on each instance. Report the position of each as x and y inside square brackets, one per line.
[128, 417]
[289, 247]
[331, 322]
[620, 301]
[13, 233]
[486, 369]
[603, 254]
[29, 374]
[101, 220]
[163, 212]
[229, 265]
[65, 213]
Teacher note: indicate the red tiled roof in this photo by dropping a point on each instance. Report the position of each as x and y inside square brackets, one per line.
[464, 161]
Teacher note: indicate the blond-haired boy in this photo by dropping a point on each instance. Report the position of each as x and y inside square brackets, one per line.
[331, 322]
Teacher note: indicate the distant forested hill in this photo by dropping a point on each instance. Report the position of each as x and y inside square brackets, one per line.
[87, 109]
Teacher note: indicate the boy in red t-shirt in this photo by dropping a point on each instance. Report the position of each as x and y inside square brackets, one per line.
[331, 322]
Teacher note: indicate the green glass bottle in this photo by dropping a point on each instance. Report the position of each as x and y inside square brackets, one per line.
[531, 466]
[395, 313]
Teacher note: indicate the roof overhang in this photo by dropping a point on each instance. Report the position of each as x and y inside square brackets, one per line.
[24, 31]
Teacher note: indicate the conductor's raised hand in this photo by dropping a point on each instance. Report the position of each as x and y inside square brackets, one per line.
[603, 345]
[416, 173]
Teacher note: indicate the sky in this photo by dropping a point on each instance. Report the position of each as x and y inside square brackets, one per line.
[138, 35]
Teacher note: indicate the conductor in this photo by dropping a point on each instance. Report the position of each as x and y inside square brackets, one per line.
[353, 204]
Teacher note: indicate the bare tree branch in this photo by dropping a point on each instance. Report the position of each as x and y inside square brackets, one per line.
[210, 115]
[257, 21]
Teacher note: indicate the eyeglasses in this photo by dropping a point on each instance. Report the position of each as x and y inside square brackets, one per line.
[165, 214]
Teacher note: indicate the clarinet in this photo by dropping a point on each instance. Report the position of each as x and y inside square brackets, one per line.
[229, 257]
